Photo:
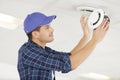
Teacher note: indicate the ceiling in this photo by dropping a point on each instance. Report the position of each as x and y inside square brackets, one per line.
[105, 59]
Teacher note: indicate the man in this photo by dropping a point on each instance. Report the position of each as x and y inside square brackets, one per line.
[36, 61]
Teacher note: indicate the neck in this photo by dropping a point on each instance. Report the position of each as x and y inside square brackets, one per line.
[40, 43]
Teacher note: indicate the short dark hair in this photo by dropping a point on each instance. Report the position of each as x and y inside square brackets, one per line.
[30, 34]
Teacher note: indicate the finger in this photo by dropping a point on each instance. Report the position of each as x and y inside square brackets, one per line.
[85, 20]
[82, 18]
[106, 27]
[82, 21]
[106, 23]
[103, 23]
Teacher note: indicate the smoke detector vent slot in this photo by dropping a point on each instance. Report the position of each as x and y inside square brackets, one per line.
[87, 9]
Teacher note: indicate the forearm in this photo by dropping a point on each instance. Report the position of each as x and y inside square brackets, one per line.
[82, 54]
[80, 45]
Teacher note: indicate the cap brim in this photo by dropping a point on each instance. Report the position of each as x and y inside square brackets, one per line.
[48, 20]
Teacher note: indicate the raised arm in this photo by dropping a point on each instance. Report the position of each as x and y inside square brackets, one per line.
[87, 33]
[79, 54]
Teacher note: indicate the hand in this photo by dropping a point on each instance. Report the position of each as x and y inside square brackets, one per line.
[99, 33]
[87, 31]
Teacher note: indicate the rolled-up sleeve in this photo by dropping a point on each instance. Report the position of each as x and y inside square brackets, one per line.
[48, 60]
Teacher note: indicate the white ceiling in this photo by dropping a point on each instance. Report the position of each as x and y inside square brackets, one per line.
[105, 59]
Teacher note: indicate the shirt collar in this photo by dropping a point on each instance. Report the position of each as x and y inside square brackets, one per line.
[33, 44]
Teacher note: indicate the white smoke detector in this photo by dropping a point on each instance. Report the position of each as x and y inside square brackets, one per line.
[95, 17]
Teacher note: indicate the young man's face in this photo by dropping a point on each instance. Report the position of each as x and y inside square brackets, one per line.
[45, 34]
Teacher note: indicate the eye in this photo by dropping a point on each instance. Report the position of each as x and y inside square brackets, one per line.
[47, 26]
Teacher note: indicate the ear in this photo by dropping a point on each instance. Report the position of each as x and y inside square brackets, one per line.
[35, 34]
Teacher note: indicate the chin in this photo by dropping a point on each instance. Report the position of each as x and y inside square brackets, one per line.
[50, 40]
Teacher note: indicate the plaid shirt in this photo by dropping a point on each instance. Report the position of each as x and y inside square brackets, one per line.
[36, 63]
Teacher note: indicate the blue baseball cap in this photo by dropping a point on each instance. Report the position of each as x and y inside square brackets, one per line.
[36, 19]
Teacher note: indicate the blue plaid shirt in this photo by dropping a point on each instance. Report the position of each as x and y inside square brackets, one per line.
[36, 63]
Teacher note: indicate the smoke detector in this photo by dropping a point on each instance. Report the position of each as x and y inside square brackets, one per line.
[95, 15]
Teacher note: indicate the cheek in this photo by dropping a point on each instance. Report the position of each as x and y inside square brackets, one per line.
[43, 35]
